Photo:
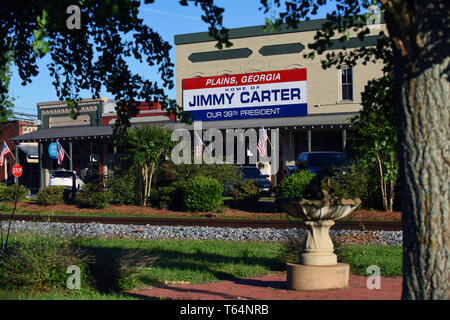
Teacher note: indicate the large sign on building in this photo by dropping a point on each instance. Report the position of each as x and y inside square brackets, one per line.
[246, 96]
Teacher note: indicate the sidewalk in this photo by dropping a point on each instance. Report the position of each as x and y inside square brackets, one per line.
[273, 287]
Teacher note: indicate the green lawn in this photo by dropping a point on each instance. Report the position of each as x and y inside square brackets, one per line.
[192, 261]
[388, 258]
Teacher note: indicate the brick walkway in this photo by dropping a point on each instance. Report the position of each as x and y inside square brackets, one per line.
[273, 287]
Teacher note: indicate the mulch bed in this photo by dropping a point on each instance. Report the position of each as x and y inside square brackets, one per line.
[263, 209]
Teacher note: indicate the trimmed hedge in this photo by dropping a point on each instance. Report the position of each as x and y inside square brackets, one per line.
[8, 193]
[51, 195]
[295, 185]
[203, 194]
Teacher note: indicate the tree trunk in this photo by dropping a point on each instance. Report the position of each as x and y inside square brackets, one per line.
[144, 174]
[382, 184]
[152, 170]
[422, 66]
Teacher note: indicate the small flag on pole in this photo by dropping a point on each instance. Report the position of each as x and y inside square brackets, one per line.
[262, 142]
[5, 151]
[60, 153]
[198, 145]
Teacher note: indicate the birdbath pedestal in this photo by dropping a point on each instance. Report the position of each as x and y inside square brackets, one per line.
[318, 267]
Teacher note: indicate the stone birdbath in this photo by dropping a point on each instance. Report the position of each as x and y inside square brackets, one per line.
[318, 267]
[319, 216]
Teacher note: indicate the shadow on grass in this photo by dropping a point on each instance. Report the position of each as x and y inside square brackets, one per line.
[118, 269]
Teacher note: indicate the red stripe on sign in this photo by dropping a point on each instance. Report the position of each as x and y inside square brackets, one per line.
[244, 79]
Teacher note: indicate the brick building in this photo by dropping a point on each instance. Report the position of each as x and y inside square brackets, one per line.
[26, 153]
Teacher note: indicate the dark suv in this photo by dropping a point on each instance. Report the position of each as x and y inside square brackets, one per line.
[316, 161]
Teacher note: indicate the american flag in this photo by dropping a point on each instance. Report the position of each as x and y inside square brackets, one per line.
[198, 145]
[60, 153]
[5, 151]
[262, 143]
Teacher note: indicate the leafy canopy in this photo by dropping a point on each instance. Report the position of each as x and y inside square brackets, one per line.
[95, 55]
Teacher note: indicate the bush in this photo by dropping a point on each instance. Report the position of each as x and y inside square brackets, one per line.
[9, 193]
[359, 182]
[245, 193]
[353, 184]
[165, 197]
[201, 194]
[224, 173]
[295, 185]
[51, 195]
[125, 187]
[40, 263]
[91, 196]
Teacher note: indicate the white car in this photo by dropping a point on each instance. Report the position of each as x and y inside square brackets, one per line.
[65, 178]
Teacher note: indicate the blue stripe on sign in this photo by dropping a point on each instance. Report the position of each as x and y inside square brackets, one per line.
[280, 111]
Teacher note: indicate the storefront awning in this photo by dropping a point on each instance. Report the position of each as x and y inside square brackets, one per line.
[337, 120]
[316, 121]
[31, 151]
[62, 133]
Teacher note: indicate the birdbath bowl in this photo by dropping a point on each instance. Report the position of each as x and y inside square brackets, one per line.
[319, 216]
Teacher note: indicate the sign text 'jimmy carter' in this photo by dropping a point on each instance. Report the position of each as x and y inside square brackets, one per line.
[244, 96]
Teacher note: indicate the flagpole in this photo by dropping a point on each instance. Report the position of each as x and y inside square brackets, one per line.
[9, 150]
[63, 150]
[267, 137]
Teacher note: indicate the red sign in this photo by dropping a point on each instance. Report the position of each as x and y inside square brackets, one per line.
[245, 79]
[17, 170]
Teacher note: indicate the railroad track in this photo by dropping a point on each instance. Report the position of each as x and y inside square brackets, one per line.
[211, 222]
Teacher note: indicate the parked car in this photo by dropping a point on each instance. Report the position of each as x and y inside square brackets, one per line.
[290, 170]
[65, 178]
[316, 161]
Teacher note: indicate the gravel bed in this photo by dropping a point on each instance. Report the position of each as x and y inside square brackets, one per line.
[196, 233]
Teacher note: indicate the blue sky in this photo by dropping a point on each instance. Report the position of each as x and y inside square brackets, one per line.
[166, 17]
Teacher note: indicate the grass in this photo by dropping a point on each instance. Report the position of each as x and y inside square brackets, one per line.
[196, 261]
[359, 257]
[83, 294]
[388, 258]
[125, 264]
[116, 265]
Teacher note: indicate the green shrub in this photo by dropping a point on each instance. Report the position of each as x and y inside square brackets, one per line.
[201, 194]
[101, 199]
[353, 184]
[5, 207]
[245, 193]
[295, 185]
[40, 263]
[9, 193]
[51, 195]
[225, 173]
[125, 187]
[166, 197]
[91, 196]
